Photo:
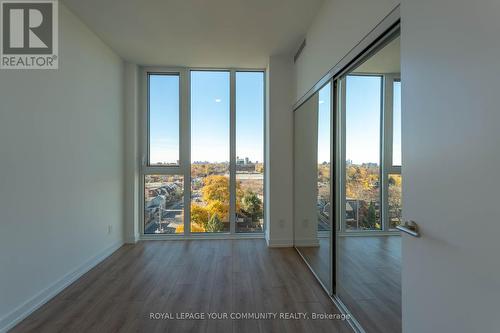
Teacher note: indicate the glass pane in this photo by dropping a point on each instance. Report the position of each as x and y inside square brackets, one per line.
[323, 203]
[363, 113]
[368, 267]
[163, 204]
[311, 160]
[163, 119]
[395, 204]
[209, 151]
[249, 151]
[396, 124]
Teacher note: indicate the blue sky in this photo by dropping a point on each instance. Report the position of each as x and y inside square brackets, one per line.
[363, 103]
[250, 115]
[324, 124]
[396, 121]
[209, 116]
[164, 118]
[363, 117]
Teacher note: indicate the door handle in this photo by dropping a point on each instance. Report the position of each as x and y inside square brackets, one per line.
[409, 227]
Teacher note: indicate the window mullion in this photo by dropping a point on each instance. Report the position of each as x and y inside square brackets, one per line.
[341, 158]
[232, 153]
[386, 134]
[186, 146]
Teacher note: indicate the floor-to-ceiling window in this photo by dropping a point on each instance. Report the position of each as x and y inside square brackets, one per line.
[394, 180]
[324, 158]
[203, 165]
[210, 156]
[249, 151]
[373, 183]
[163, 189]
[363, 114]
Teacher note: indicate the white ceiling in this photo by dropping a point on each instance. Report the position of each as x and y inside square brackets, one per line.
[200, 33]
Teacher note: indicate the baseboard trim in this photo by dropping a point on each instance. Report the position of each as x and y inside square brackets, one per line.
[24, 310]
[132, 239]
[219, 236]
[279, 242]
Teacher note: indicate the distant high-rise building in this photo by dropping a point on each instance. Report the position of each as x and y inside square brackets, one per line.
[239, 161]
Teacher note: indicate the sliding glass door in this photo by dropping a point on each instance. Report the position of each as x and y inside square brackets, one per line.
[368, 258]
[312, 183]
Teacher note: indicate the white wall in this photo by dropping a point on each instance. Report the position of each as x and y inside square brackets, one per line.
[338, 27]
[306, 173]
[450, 54]
[279, 152]
[131, 100]
[61, 168]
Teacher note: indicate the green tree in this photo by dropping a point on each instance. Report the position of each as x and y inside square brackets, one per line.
[371, 218]
[252, 205]
[214, 224]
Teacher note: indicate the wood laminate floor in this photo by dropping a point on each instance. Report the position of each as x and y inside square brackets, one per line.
[369, 275]
[369, 281]
[319, 259]
[223, 276]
